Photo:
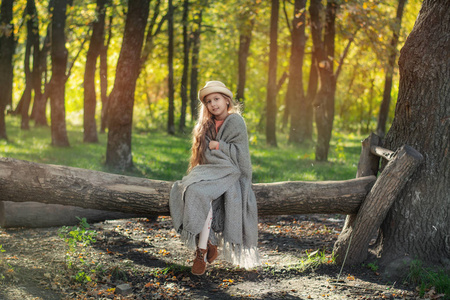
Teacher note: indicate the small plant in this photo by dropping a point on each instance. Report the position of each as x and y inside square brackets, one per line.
[77, 239]
[2, 277]
[315, 259]
[429, 282]
[373, 266]
[5, 268]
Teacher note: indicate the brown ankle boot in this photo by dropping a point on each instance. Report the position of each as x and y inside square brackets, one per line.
[212, 252]
[199, 266]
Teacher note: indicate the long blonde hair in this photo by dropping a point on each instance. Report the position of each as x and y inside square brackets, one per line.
[205, 123]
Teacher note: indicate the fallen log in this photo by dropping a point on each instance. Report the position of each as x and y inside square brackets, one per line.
[23, 181]
[35, 215]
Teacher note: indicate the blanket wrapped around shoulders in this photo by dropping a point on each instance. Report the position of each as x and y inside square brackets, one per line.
[224, 182]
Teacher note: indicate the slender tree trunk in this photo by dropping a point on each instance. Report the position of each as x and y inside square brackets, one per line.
[308, 117]
[90, 101]
[194, 65]
[7, 46]
[104, 79]
[417, 226]
[295, 94]
[245, 39]
[118, 152]
[385, 103]
[324, 51]
[271, 101]
[58, 81]
[37, 72]
[26, 96]
[184, 78]
[31, 47]
[40, 98]
[171, 88]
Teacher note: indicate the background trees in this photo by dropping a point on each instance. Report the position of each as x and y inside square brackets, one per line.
[234, 36]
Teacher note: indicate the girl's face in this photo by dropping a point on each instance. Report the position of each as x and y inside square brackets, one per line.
[217, 105]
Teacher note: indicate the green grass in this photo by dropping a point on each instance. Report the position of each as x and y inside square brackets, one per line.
[429, 281]
[157, 155]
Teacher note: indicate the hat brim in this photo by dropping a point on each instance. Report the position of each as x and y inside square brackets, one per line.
[213, 89]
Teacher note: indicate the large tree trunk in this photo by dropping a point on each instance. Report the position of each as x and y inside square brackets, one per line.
[272, 91]
[392, 50]
[118, 152]
[90, 99]
[184, 77]
[7, 46]
[58, 81]
[417, 226]
[295, 95]
[23, 181]
[171, 88]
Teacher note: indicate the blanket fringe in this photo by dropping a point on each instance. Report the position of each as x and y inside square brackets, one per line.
[189, 239]
[238, 254]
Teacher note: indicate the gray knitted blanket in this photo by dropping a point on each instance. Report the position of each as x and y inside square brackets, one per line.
[225, 183]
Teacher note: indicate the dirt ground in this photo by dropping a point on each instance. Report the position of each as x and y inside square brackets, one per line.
[144, 259]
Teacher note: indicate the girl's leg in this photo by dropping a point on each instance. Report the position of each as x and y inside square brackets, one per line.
[204, 234]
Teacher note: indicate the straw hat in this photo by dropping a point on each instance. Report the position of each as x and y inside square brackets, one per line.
[214, 87]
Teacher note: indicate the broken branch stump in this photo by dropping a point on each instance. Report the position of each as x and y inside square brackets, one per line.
[376, 205]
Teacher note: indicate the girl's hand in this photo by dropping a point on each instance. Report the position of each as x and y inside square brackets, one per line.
[213, 145]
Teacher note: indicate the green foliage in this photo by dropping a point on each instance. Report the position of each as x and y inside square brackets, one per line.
[359, 87]
[157, 155]
[5, 268]
[1, 263]
[373, 266]
[77, 239]
[314, 259]
[429, 281]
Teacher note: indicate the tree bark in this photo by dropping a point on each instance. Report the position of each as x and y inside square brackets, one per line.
[23, 181]
[58, 80]
[184, 77]
[295, 95]
[417, 226]
[171, 88]
[90, 98]
[7, 47]
[384, 108]
[271, 100]
[118, 152]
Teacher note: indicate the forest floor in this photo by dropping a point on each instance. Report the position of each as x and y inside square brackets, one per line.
[143, 259]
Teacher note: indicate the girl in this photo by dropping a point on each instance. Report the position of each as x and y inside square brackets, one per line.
[216, 194]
